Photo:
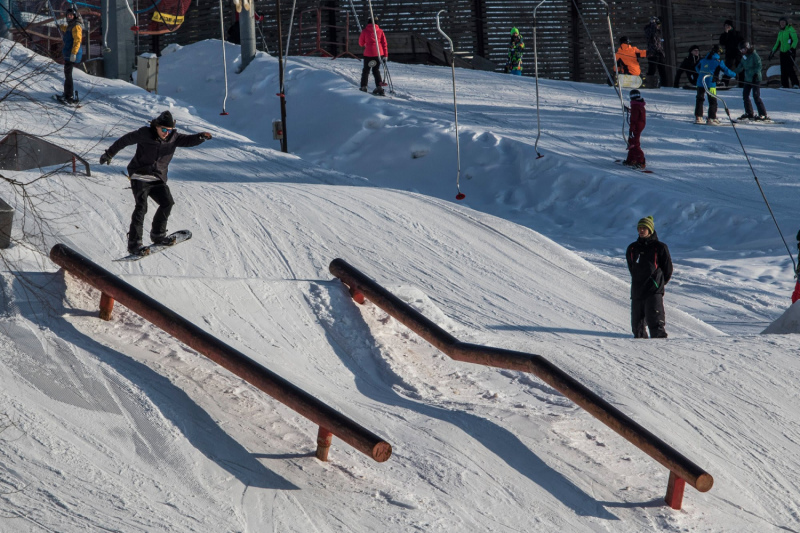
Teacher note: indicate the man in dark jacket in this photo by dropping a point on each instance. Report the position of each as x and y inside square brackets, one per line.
[730, 40]
[688, 67]
[656, 58]
[650, 266]
[155, 146]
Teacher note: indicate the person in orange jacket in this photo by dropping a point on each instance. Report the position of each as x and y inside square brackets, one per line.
[627, 60]
[374, 53]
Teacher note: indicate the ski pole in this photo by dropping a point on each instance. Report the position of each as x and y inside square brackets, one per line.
[733, 124]
[460, 195]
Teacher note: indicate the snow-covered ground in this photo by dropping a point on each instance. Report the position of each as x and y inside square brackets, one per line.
[117, 426]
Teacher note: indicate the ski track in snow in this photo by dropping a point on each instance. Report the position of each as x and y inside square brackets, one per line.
[118, 426]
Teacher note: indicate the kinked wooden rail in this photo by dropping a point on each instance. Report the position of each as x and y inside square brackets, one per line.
[330, 421]
[682, 470]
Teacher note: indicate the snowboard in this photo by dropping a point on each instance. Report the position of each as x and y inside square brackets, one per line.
[642, 170]
[180, 236]
[628, 81]
[60, 99]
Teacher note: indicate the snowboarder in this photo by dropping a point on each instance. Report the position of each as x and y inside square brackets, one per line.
[730, 40]
[708, 69]
[750, 65]
[515, 51]
[626, 56]
[786, 45]
[155, 146]
[656, 59]
[72, 51]
[688, 66]
[374, 53]
[650, 266]
[638, 120]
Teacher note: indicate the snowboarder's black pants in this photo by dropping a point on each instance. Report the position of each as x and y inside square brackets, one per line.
[159, 192]
[656, 62]
[376, 70]
[649, 311]
[69, 89]
[787, 70]
[748, 105]
[712, 104]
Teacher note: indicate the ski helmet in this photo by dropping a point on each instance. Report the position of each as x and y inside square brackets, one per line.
[514, 31]
[71, 11]
[635, 94]
[716, 49]
[623, 40]
[744, 45]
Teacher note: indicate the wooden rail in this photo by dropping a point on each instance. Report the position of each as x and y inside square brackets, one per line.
[682, 470]
[330, 421]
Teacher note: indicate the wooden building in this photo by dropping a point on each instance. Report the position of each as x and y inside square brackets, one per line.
[480, 28]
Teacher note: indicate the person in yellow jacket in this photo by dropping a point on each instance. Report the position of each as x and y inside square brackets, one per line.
[627, 58]
[73, 53]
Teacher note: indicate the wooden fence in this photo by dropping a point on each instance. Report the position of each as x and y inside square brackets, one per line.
[481, 27]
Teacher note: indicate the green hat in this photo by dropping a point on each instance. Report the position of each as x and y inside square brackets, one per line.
[514, 31]
[647, 222]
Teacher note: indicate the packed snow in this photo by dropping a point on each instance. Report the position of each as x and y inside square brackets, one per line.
[118, 426]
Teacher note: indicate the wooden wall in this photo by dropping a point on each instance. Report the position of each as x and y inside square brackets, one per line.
[482, 27]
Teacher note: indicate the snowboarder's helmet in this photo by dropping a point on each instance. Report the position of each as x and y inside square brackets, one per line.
[71, 11]
[635, 94]
[514, 31]
[716, 49]
[165, 119]
[744, 45]
[623, 40]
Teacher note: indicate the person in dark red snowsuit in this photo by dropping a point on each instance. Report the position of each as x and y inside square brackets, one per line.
[638, 120]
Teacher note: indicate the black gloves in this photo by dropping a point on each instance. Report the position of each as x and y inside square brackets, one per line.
[771, 54]
[105, 159]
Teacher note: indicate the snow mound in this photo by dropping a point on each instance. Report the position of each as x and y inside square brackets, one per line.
[788, 322]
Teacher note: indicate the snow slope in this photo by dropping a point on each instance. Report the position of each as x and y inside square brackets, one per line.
[115, 425]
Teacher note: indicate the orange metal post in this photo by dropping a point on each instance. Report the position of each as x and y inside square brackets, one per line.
[357, 296]
[324, 439]
[675, 487]
[106, 306]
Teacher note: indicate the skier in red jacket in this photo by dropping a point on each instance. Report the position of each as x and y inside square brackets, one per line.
[638, 120]
[374, 53]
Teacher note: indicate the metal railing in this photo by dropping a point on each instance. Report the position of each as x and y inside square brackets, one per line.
[330, 421]
[682, 470]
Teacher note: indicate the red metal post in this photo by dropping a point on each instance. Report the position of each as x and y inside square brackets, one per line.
[675, 487]
[324, 439]
[106, 306]
[357, 296]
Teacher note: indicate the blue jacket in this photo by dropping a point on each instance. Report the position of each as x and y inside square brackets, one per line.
[73, 36]
[710, 66]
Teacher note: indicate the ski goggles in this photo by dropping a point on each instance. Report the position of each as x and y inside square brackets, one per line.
[165, 129]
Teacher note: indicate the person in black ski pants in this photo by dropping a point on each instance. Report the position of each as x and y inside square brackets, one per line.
[650, 266]
[155, 146]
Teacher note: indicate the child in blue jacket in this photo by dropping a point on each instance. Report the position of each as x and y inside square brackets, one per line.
[707, 71]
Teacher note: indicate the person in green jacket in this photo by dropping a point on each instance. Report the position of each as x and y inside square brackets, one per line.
[750, 64]
[786, 45]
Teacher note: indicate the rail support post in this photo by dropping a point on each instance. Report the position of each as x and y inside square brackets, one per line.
[675, 487]
[357, 296]
[106, 306]
[324, 439]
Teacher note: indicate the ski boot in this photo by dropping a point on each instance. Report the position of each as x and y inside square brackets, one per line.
[713, 122]
[363, 89]
[699, 120]
[164, 240]
[379, 91]
[747, 116]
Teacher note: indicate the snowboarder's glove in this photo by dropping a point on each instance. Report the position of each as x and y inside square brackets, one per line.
[73, 58]
[105, 159]
[205, 135]
[771, 55]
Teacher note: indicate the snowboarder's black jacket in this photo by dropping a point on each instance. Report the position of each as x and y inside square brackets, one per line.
[650, 265]
[152, 155]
